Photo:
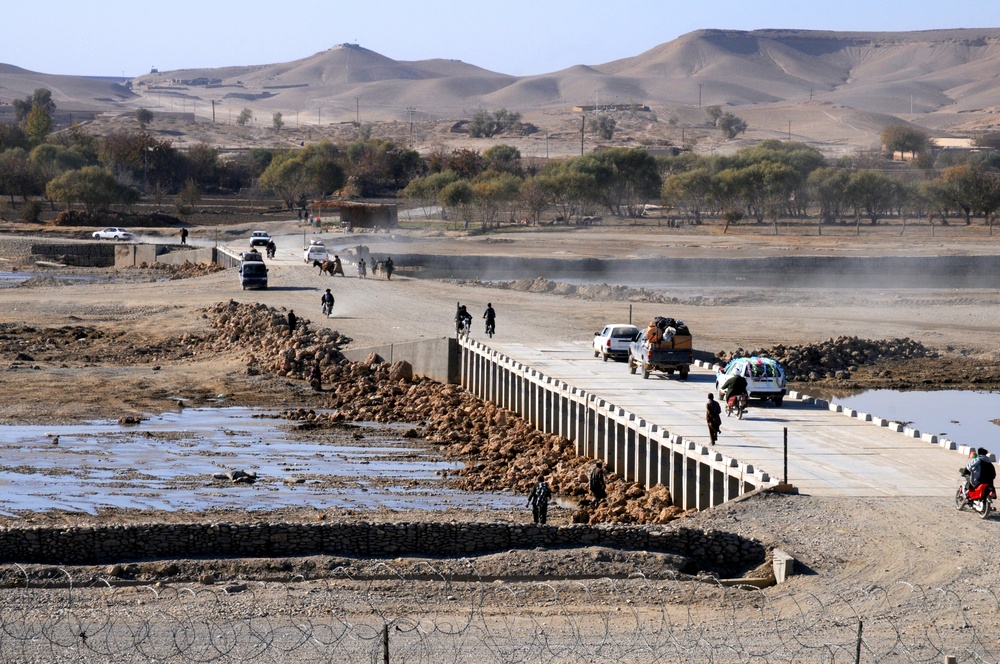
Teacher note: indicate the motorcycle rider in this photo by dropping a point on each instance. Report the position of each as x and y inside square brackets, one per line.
[980, 470]
[491, 318]
[327, 302]
[734, 386]
[462, 316]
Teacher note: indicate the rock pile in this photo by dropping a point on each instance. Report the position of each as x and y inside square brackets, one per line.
[262, 333]
[502, 450]
[834, 358]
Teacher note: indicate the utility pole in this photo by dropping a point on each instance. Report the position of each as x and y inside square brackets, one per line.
[789, 130]
[357, 110]
[319, 116]
[699, 95]
[583, 122]
[213, 111]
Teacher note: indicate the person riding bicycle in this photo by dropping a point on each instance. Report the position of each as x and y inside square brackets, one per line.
[734, 386]
[462, 318]
[327, 301]
[491, 318]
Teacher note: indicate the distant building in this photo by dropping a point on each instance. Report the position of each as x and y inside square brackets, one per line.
[359, 215]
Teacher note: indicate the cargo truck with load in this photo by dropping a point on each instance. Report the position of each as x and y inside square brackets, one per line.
[665, 346]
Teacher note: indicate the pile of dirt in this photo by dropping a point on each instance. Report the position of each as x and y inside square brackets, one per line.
[185, 270]
[835, 358]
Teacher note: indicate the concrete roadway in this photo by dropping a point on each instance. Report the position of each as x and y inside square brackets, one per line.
[829, 453]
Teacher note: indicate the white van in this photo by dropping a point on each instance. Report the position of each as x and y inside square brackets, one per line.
[765, 377]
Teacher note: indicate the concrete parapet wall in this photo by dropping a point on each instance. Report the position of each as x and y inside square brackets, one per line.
[639, 451]
[93, 545]
[434, 358]
[83, 254]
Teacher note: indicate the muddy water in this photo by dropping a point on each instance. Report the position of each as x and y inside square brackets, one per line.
[167, 463]
[962, 416]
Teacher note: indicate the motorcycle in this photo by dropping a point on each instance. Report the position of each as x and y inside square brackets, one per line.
[979, 499]
[737, 403]
[464, 327]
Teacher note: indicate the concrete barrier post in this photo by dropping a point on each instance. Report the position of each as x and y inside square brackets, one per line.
[642, 456]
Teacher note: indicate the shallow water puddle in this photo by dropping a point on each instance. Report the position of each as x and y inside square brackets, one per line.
[167, 463]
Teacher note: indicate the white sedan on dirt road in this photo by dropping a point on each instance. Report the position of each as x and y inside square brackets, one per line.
[112, 233]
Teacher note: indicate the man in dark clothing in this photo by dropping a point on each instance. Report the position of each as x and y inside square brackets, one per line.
[713, 417]
[491, 319]
[184, 236]
[597, 485]
[389, 267]
[981, 470]
[538, 500]
[327, 302]
[735, 384]
[292, 318]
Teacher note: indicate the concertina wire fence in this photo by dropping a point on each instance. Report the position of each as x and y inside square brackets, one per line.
[437, 618]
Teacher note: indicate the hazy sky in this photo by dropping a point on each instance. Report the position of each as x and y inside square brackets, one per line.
[115, 37]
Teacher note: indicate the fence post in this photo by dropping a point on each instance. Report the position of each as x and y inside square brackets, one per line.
[385, 643]
[857, 651]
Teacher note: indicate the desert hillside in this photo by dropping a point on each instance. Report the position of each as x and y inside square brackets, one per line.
[835, 87]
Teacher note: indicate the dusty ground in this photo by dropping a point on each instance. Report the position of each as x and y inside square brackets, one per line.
[129, 346]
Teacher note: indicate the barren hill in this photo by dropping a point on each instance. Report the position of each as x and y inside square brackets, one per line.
[851, 84]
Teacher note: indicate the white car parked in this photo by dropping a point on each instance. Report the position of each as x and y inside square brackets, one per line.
[613, 340]
[765, 377]
[112, 233]
[316, 251]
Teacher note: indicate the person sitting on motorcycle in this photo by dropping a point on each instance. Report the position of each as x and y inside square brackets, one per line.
[734, 386]
[462, 316]
[980, 470]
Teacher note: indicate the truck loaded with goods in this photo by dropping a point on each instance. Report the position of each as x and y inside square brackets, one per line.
[665, 346]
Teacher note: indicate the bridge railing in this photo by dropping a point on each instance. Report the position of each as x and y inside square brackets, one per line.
[698, 477]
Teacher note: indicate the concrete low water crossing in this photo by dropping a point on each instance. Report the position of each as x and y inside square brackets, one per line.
[167, 462]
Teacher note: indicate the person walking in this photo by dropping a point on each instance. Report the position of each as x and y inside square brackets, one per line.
[538, 500]
[598, 488]
[713, 417]
[292, 319]
[184, 236]
[389, 267]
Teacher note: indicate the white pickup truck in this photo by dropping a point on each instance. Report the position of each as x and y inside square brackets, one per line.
[613, 340]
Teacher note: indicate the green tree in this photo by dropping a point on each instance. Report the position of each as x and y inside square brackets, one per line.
[425, 191]
[901, 138]
[873, 194]
[96, 188]
[38, 125]
[829, 189]
[731, 126]
[503, 159]
[604, 126]
[189, 196]
[689, 191]
[41, 97]
[18, 177]
[146, 159]
[570, 188]
[485, 124]
[493, 192]
[458, 196]
[626, 179]
[713, 113]
[13, 136]
[143, 116]
[276, 121]
[244, 117]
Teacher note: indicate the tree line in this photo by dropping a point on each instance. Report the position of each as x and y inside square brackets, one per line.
[772, 180]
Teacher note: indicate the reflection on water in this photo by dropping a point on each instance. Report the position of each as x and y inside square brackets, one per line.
[167, 463]
[962, 416]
